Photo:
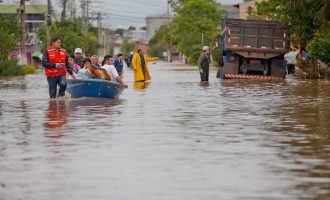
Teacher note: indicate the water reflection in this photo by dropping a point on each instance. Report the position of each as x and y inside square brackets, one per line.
[304, 138]
[141, 85]
[57, 114]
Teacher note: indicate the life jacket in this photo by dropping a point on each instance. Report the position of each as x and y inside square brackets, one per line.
[56, 56]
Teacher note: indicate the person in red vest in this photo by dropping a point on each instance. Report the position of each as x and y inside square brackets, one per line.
[55, 62]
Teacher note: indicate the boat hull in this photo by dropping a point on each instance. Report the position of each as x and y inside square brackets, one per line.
[94, 88]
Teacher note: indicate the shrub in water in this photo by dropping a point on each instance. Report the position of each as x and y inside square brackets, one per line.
[10, 68]
[29, 69]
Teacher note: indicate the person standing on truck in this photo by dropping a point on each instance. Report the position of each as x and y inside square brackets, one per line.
[204, 63]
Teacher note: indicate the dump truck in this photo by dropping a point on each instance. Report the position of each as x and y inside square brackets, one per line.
[252, 47]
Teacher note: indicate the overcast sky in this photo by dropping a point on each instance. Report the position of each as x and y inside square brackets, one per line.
[123, 13]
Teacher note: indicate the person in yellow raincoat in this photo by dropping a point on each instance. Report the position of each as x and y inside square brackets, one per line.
[140, 66]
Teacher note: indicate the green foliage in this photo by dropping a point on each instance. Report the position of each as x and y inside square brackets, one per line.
[194, 18]
[127, 47]
[120, 31]
[72, 37]
[319, 46]
[131, 28]
[10, 68]
[10, 24]
[156, 49]
[29, 69]
[303, 17]
[9, 34]
[161, 41]
[9, 37]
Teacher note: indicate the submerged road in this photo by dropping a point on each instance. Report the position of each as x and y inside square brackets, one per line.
[172, 139]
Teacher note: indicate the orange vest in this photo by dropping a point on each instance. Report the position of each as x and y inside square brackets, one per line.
[55, 56]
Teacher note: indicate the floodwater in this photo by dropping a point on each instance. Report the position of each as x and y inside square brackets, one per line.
[172, 139]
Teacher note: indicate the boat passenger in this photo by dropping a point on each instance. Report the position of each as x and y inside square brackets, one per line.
[85, 73]
[78, 57]
[95, 61]
[75, 67]
[111, 70]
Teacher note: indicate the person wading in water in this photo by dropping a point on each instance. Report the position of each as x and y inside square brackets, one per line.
[140, 66]
[55, 62]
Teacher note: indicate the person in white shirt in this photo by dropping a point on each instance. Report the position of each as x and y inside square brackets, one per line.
[107, 64]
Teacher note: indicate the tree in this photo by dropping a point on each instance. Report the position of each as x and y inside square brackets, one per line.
[131, 28]
[302, 17]
[319, 46]
[72, 37]
[9, 38]
[127, 47]
[161, 41]
[308, 22]
[194, 19]
[119, 31]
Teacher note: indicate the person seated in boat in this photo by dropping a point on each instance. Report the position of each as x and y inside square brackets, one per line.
[95, 62]
[74, 67]
[85, 73]
[111, 70]
[92, 72]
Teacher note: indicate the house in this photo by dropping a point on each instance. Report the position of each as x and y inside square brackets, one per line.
[35, 16]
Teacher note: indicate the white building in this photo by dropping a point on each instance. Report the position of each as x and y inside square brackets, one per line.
[138, 35]
[155, 22]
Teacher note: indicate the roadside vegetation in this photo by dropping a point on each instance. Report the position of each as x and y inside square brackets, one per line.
[69, 31]
[72, 37]
[9, 34]
[194, 25]
[308, 22]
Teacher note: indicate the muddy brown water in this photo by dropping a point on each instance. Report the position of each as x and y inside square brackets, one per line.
[172, 139]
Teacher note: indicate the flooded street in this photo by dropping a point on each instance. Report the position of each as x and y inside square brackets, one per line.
[172, 139]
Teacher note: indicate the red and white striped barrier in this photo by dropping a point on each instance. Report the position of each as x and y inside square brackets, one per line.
[255, 77]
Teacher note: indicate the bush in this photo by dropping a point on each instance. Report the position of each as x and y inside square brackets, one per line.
[319, 46]
[29, 69]
[10, 68]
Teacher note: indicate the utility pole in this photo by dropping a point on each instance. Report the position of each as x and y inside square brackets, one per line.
[169, 53]
[63, 16]
[48, 22]
[85, 15]
[99, 20]
[22, 25]
[72, 9]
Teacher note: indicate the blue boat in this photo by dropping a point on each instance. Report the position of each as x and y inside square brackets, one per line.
[94, 88]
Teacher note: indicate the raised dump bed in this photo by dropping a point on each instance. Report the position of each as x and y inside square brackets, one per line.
[253, 47]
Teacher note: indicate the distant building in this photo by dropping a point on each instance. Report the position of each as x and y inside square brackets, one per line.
[105, 39]
[155, 22]
[35, 16]
[231, 11]
[137, 35]
[245, 6]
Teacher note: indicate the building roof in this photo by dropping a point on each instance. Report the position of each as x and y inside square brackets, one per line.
[29, 9]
